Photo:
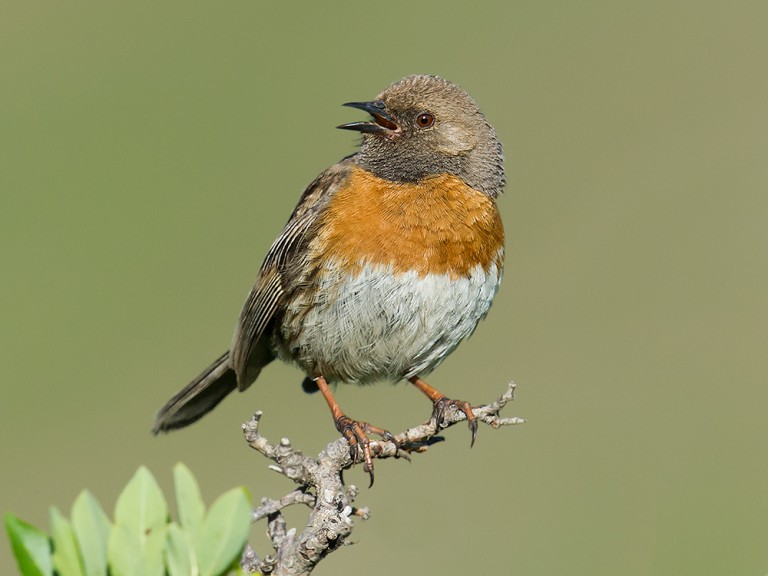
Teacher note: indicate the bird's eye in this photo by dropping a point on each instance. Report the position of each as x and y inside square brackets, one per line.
[425, 120]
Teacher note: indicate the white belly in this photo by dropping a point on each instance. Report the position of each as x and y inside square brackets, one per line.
[383, 326]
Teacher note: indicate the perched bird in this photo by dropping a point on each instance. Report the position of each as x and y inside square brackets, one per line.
[388, 262]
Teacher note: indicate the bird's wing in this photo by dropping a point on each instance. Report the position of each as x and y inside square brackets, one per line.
[250, 349]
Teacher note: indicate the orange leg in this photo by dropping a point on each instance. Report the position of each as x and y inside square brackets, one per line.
[354, 431]
[440, 404]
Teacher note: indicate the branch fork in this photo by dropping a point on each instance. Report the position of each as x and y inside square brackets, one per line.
[322, 489]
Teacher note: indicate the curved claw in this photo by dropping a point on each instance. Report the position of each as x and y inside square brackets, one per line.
[442, 404]
[356, 434]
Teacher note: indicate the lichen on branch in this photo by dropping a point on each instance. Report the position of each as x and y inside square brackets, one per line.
[322, 488]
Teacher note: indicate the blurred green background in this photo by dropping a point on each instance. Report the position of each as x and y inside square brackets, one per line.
[151, 151]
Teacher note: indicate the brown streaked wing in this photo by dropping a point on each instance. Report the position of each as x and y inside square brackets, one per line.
[266, 297]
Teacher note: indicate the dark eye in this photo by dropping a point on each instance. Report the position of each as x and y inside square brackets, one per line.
[425, 120]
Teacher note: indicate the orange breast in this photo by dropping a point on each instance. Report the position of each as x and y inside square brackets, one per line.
[439, 226]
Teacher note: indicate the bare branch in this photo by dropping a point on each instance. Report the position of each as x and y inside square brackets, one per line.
[269, 507]
[322, 488]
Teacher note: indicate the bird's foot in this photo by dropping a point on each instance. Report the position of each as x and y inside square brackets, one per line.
[356, 434]
[442, 404]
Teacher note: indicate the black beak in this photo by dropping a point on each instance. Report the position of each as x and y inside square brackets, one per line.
[383, 122]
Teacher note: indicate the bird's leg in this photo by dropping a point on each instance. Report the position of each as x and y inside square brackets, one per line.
[354, 431]
[440, 403]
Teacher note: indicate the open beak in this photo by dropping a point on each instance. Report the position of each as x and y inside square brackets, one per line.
[383, 123]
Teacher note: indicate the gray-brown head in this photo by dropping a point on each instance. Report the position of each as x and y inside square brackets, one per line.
[424, 126]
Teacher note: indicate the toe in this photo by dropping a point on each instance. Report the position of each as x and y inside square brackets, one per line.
[442, 405]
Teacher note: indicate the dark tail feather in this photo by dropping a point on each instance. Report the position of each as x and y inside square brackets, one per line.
[198, 397]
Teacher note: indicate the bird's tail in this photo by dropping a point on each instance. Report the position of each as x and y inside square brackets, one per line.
[198, 397]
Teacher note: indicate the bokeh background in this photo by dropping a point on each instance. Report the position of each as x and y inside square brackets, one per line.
[150, 152]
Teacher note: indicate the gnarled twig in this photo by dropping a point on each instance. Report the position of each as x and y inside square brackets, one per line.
[322, 488]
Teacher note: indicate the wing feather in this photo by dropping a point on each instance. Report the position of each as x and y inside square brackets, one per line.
[251, 348]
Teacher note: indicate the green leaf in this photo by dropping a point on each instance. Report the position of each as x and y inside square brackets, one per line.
[137, 540]
[131, 554]
[31, 547]
[141, 506]
[91, 527]
[224, 532]
[124, 551]
[66, 557]
[189, 501]
[179, 557]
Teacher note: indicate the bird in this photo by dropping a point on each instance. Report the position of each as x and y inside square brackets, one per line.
[388, 262]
